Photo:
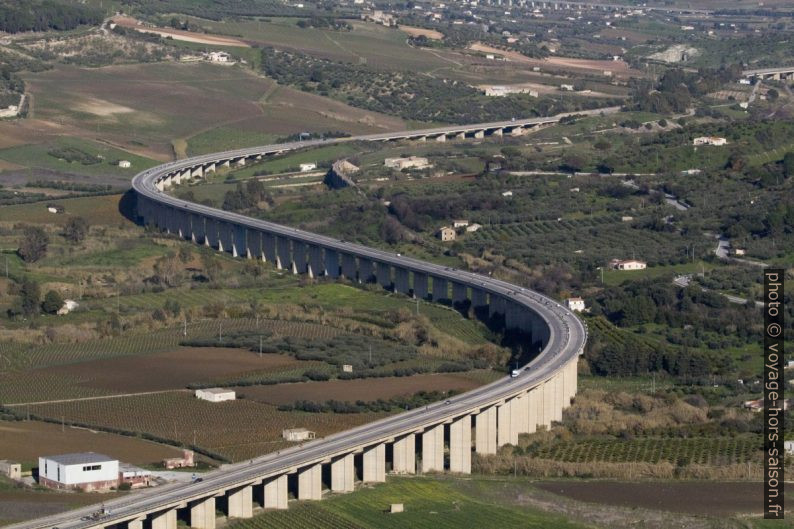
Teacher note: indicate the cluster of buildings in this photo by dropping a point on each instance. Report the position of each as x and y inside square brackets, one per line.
[628, 264]
[410, 162]
[450, 233]
[92, 472]
[709, 140]
[502, 90]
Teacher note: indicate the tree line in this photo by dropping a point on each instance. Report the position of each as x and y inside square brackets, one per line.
[43, 15]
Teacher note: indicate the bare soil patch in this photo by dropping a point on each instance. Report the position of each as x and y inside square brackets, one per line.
[359, 389]
[169, 370]
[564, 63]
[25, 441]
[422, 32]
[178, 34]
[705, 498]
[17, 506]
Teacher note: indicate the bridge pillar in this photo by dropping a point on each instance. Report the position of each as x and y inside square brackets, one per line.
[331, 263]
[442, 138]
[343, 474]
[366, 270]
[572, 381]
[479, 134]
[433, 449]
[269, 248]
[183, 221]
[512, 316]
[173, 223]
[375, 464]
[275, 492]
[202, 513]
[404, 455]
[316, 261]
[212, 240]
[310, 483]
[505, 431]
[521, 413]
[197, 171]
[517, 131]
[420, 285]
[239, 248]
[254, 244]
[401, 280]
[498, 132]
[460, 136]
[460, 294]
[283, 258]
[460, 445]
[485, 431]
[209, 168]
[383, 271]
[440, 289]
[479, 298]
[197, 234]
[349, 266]
[531, 398]
[136, 524]
[164, 519]
[559, 395]
[240, 502]
[299, 256]
[240, 162]
[496, 306]
[548, 403]
[226, 237]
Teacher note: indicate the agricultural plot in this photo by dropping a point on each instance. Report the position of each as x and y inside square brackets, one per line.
[182, 418]
[354, 390]
[25, 441]
[367, 43]
[430, 504]
[712, 451]
[101, 210]
[68, 155]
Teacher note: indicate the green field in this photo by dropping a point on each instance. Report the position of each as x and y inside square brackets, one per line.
[430, 504]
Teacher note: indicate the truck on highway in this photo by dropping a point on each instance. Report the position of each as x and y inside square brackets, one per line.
[514, 373]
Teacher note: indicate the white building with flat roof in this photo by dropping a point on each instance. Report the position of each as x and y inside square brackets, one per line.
[576, 304]
[215, 394]
[297, 434]
[85, 470]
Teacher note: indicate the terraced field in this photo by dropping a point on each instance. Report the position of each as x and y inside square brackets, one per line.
[181, 418]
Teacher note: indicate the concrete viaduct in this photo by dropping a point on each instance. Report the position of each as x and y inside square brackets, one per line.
[777, 74]
[438, 438]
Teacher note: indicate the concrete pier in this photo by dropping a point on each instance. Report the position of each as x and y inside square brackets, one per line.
[310, 483]
[275, 492]
[240, 502]
[433, 449]
[460, 445]
[202, 513]
[343, 474]
[375, 464]
[420, 285]
[485, 431]
[404, 454]
[349, 267]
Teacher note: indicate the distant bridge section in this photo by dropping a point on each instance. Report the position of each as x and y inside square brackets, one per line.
[777, 74]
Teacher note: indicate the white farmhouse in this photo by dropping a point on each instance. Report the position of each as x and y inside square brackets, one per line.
[306, 167]
[125, 164]
[88, 471]
[709, 140]
[215, 394]
[576, 304]
[630, 264]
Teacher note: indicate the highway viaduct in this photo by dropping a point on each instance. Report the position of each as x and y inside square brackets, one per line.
[440, 437]
[777, 74]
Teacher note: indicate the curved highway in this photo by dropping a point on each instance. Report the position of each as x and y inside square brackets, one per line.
[565, 336]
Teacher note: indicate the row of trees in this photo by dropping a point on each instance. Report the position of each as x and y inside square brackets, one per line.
[43, 15]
